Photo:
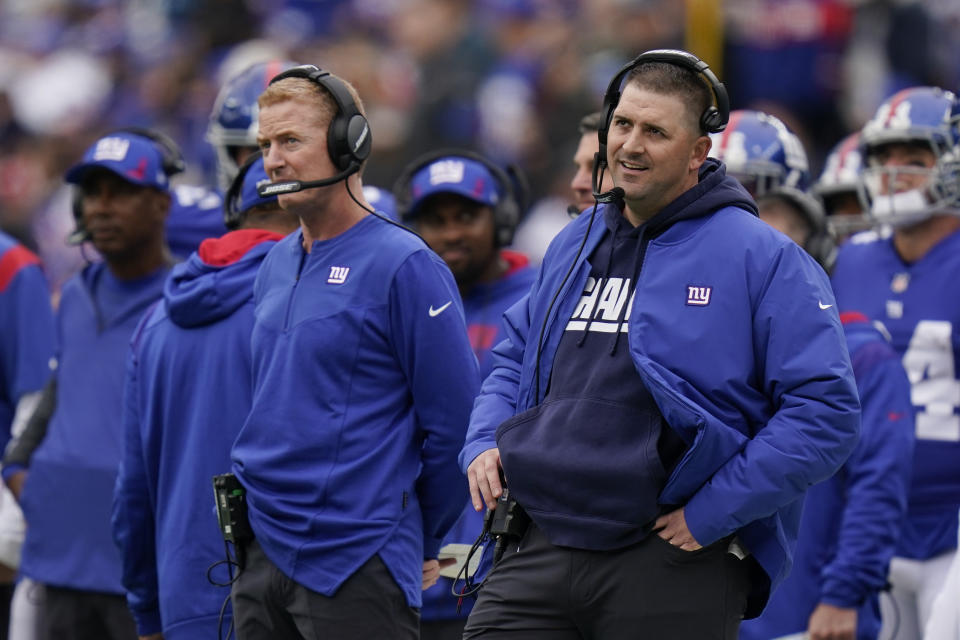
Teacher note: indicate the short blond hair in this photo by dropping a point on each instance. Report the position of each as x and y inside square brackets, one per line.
[310, 92]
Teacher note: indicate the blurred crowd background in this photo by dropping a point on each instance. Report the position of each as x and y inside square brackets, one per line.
[508, 78]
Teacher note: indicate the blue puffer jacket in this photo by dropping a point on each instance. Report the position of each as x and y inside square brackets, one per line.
[734, 331]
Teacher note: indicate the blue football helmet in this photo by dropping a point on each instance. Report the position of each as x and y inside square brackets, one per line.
[841, 179]
[233, 121]
[768, 159]
[761, 152]
[905, 195]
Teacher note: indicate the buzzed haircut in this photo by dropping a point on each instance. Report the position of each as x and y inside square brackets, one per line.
[671, 79]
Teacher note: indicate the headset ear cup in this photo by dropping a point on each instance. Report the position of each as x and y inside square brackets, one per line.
[79, 235]
[711, 121]
[358, 138]
[337, 145]
[823, 248]
[506, 217]
[232, 216]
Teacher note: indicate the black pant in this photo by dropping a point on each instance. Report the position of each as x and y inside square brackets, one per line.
[268, 605]
[69, 614]
[651, 590]
[442, 629]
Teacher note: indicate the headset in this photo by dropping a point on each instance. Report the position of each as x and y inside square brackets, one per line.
[171, 162]
[713, 119]
[232, 215]
[821, 244]
[348, 136]
[513, 187]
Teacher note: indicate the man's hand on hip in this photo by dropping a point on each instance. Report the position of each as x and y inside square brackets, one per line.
[672, 527]
[483, 475]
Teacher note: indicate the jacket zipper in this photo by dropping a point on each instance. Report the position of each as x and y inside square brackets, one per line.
[293, 291]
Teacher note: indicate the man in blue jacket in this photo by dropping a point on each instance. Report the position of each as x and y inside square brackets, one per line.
[673, 383]
[122, 203]
[466, 209]
[363, 379]
[178, 436]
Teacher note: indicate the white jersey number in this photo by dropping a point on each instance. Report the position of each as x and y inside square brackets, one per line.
[935, 390]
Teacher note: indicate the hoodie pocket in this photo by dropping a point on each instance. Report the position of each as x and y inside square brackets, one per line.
[585, 459]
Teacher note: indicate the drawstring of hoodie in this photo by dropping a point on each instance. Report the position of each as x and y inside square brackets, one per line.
[606, 272]
[622, 316]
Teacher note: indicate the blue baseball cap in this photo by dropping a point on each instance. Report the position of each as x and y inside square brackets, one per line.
[255, 176]
[454, 174]
[134, 158]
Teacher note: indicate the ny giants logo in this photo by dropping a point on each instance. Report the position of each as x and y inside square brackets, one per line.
[698, 296]
[338, 275]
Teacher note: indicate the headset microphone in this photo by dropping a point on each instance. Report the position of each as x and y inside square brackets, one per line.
[292, 186]
[573, 211]
[614, 195]
[603, 197]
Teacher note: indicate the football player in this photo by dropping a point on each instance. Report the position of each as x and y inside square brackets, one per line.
[906, 277]
[850, 522]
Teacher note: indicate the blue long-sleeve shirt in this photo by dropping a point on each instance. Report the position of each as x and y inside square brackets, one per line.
[68, 494]
[363, 383]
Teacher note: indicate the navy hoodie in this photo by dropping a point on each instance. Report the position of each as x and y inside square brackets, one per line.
[596, 406]
[187, 393]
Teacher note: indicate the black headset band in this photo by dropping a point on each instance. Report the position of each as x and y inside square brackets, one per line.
[402, 191]
[338, 91]
[513, 189]
[232, 216]
[172, 158]
[348, 134]
[684, 59]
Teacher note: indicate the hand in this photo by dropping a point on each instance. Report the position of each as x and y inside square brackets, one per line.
[672, 527]
[483, 474]
[152, 636]
[431, 571]
[15, 483]
[828, 622]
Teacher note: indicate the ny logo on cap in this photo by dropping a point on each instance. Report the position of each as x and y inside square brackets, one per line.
[446, 171]
[111, 149]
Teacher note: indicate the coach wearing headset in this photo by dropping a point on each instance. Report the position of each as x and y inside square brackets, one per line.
[363, 383]
[673, 383]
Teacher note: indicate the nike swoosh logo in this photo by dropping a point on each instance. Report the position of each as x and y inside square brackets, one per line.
[435, 312]
[824, 306]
